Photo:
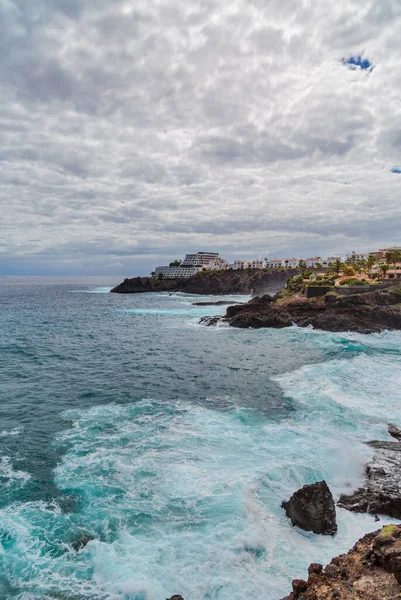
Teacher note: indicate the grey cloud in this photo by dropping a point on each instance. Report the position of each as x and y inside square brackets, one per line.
[134, 130]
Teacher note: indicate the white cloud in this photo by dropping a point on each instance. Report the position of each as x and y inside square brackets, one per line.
[136, 130]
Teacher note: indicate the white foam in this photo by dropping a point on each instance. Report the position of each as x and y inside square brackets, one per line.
[11, 432]
[10, 475]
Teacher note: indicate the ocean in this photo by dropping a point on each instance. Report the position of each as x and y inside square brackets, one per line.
[170, 445]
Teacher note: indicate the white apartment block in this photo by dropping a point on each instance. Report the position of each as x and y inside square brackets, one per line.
[259, 264]
[200, 259]
[312, 262]
[239, 265]
[173, 272]
[275, 263]
[290, 263]
[192, 264]
[331, 260]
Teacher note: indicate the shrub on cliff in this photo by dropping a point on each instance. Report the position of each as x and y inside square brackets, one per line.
[354, 281]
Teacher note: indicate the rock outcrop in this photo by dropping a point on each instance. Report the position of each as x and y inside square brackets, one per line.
[370, 571]
[248, 282]
[81, 541]
[364, 312]
[312, 508]
[381, 492]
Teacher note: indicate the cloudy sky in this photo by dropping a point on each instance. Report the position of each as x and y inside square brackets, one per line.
[135, 130]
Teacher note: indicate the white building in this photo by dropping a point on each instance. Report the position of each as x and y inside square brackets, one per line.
[173, 272]
[290, 263]
[192, 264]
[312, 262]
[275, 263]
[239, 265]
[331, 260]
[259, 263]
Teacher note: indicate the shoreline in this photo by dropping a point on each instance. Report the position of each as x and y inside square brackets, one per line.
[363, 312]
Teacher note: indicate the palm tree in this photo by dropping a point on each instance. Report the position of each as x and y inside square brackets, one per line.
[389, 257]
[384, 269]
[370, 262]
[361, 266]
[338, 266]
[396, 255]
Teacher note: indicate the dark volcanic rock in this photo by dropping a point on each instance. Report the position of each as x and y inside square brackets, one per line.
[370, 571]
[381, 492]
[81, 541]
[252, 282]
[312, 508]
[394, 432]
[365, 313]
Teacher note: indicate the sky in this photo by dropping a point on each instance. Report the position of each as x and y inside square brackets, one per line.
[135, 131]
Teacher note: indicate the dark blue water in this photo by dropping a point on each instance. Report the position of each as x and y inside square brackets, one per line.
[171, 444]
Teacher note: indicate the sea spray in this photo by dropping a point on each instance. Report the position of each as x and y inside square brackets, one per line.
[173, 446]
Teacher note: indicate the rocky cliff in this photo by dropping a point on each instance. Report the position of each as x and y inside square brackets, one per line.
[252, 282]
[365, 313]
[370, 571]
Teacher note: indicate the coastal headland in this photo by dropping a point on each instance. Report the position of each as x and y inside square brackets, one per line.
[368, 312]
[216, 283]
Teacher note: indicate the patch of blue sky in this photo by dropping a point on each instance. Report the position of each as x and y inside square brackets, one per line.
[358, 62]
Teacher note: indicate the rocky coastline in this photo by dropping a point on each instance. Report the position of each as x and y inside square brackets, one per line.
[213, 283]
[370, 571]
[381, 491]
[369, 312]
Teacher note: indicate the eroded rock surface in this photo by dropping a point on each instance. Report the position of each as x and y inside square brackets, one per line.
[370, 571]
[381, 492]
[312, 508]
[249, 281]
[364, 312]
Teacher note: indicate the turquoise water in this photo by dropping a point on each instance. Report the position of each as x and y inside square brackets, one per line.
[172, 445]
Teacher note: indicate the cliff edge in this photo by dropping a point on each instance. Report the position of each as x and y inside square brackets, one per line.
[369, 312]
[247, 282]
[370, 571]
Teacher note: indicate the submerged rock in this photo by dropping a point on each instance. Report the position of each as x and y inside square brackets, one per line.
[81, 541]
[312, 508]
[370, 571]
[175, 597]
[217, 303]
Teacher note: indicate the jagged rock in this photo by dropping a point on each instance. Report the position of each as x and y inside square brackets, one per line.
[315, 568]
[370, 571]
[381, 492]
[394, 431]
[365, 313]
[312, 508]
[81, 541]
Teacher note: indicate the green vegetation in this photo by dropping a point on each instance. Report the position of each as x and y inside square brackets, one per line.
[393, 257]
[384, 269]
[349, 271]
[354, 281]
[388, 530]
[175, 263]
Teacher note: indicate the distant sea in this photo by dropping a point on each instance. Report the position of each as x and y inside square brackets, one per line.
[172, 445]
